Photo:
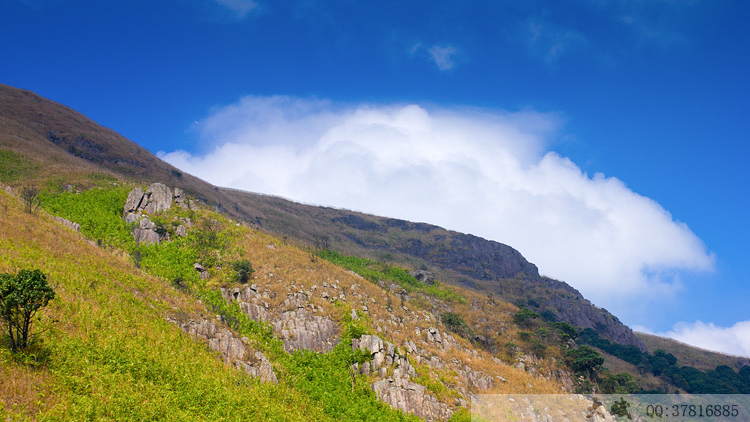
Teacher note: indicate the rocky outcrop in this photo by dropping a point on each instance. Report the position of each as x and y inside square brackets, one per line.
[159, 198]
[424, 277]
[301, 329]
[234, 350]
[298, 327]
[67, 223]
[140, 205]
[395, 388]
[180, 198]
[582, 313]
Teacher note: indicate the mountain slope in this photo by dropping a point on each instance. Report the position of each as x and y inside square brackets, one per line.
[31, 125]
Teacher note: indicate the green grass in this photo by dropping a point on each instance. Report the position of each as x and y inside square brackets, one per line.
[97, 210]
[375, 271]
[14, 166]
[133, 368]
[109, 354]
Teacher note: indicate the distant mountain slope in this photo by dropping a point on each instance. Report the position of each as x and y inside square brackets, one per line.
[692, 356]
[53, 135]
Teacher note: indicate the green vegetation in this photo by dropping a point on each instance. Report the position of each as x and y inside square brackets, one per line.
[14, 167]
[112, 355]
[375, 271]
[97, 210]
[454, 322]
[324, 379]
[722, 380]
[243, 269]
[525, 317]
[21, 297]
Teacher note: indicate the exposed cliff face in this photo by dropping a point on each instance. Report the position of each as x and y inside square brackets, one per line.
[570, 306]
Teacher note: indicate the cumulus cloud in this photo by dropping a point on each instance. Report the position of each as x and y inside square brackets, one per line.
[734, 340]
[479, 171]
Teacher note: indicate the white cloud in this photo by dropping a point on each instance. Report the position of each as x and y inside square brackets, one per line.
[734, 340]
[442, 56]
[478, 171]
[239, 7]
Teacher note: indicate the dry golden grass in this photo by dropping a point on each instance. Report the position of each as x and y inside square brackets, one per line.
[284, 269]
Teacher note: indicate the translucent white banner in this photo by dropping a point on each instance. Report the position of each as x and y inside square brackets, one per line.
[610, 407]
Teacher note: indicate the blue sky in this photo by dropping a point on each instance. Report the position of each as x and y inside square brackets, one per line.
[602, 138]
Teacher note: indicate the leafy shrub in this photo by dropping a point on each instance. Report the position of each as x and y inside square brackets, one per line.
[565, 331]
[243, 270]
[585, 360]
[21, 297]
[30, 197]
[525, 317]
[454, 322]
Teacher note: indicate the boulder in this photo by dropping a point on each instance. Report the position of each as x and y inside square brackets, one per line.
[424, 277]
[134, 203]
[180, 199]
[159, 198]
[146, 232]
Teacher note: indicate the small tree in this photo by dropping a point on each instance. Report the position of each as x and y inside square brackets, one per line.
[21, 296]
[525, 317]
[585, 360]
[30, 196]
[243, 270]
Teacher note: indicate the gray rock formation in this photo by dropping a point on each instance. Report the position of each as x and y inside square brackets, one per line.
[424, 277]
[301, 329]
[145, 232]
[234, 350]
[180, 199]
[159, 198]
[67, 223]
[397, 390]
[134, 203]
[298, 327]
[139, 204]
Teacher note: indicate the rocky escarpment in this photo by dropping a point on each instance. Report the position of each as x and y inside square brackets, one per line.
[298, 326]
[140, 205]
[234, 350]
[571, 307]
[394, 386]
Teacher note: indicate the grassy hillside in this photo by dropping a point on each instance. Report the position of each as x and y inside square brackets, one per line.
[703, 360]
[108, 349]
[56, 140]
[109, 352]
[105, 350]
